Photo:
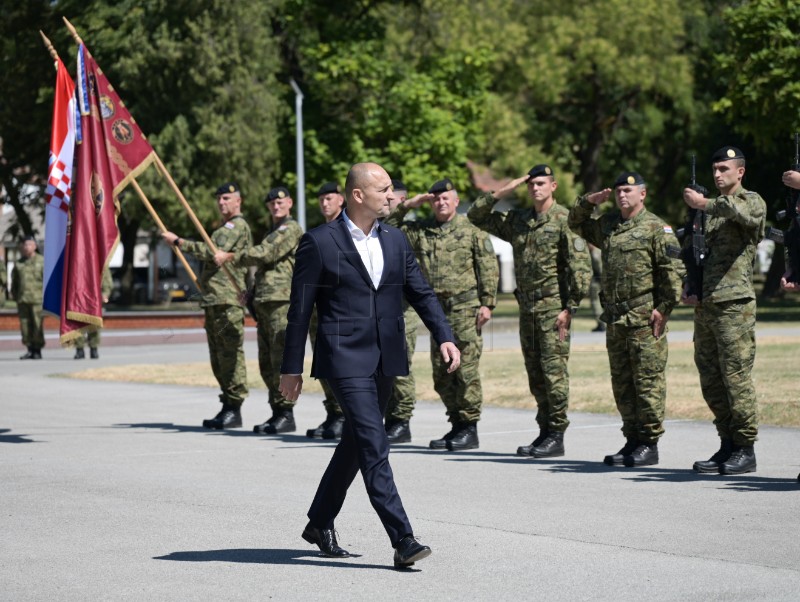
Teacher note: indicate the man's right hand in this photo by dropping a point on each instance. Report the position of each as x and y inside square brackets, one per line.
[599, 197]
[511, 186]
[291, 385]
[169, 237]
[418, 200]
[791, 178]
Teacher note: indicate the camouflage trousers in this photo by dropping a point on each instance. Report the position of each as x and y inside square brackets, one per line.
[92, 336]
[460, 391]
[31, 324]
[638, 364]
[332, 407]
[404, 390]
[546, 360]
[272, 321]
[724, 352]
[225, 332]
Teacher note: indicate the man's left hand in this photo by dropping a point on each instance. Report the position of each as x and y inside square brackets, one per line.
[563, 320]
[451, 354]
[484, 315]
[658, 322]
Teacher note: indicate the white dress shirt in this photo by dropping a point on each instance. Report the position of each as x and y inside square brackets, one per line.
[368, 247]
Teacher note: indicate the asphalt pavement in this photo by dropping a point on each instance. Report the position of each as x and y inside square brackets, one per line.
[113, 491]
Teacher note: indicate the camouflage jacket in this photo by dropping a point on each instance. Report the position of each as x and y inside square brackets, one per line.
[638, 273]
[456, 258]
[27, 279]
[735, 224]
[233, 236]
[274, 258]
[551, 264]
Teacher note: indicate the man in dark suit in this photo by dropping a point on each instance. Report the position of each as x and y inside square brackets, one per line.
[357, 271]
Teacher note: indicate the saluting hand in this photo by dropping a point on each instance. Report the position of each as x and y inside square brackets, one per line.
[451, 354]
[599, 197]
[418, 200]
[510, 186]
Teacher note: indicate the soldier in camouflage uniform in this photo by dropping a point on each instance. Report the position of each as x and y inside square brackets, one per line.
[725, 317]
[274, 258]
[641, 285]
[331, 203]
[27, 279]
[553, 271]
[106, 286]
[222, 303]
[458, 261]
[404, 391]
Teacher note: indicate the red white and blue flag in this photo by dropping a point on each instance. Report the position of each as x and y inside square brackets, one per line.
[58, 193]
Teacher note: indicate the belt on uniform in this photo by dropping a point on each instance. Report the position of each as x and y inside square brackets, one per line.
[535, 294]
[622, 307]
[448, 302]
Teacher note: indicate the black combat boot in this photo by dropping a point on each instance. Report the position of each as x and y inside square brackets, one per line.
[317, 432]
[742, 460]
[721, 455]
[398, 432]
[229, 417]
[79, 353]
[334, 429]
[525, 450]
[37, 354]
[28, 356]
[645, 454]
[442, 443]
[282, 421]
[93, 353]
[466, 438]
[618, 459]
[551, 447]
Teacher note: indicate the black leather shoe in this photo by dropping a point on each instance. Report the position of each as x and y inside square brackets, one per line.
[408, 551]
[334, 429]
[398, 432]
[229, 417]
[742, 460]
[93, 353]
[525, 450]
[466, 438]
[317, 432]
[325, 540]
[442, 443]
[281, 421]
[645, 454]
[79, 354]
[712, 464]
[551, 447]
[618, 459]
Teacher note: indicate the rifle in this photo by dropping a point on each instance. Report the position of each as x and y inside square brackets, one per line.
[694, 255]
[790, 237]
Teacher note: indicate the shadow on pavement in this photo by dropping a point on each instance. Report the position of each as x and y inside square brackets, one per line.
[6, 438]
[269, 556]
[169, 427]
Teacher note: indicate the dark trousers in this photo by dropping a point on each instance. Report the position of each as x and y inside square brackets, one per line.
[363, 447]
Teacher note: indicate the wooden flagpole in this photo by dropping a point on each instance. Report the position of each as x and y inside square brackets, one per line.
[161, 168]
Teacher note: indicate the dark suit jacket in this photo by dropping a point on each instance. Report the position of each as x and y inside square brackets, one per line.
[361, 328]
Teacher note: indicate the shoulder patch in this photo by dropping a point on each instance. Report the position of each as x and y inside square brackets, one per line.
[230, 225]
[579, 244]
[668, 229]
[282, 227]
[488, 245]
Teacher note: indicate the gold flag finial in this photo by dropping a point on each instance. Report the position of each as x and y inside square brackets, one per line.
[49, 45]
[73, 31]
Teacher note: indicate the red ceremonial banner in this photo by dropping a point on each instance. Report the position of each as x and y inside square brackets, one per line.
[112, 151]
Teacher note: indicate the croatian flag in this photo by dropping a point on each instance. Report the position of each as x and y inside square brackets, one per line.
[59, 188]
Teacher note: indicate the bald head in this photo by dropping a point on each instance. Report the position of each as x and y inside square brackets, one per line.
[369, 191]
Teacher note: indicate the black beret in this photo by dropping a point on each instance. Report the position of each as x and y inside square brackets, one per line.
[726, 153]
[629, 178]
[441, 186]
[28, 237]
[226, 188]
[279, 192]
[398, 185]
[541, 170]
[329, 187]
